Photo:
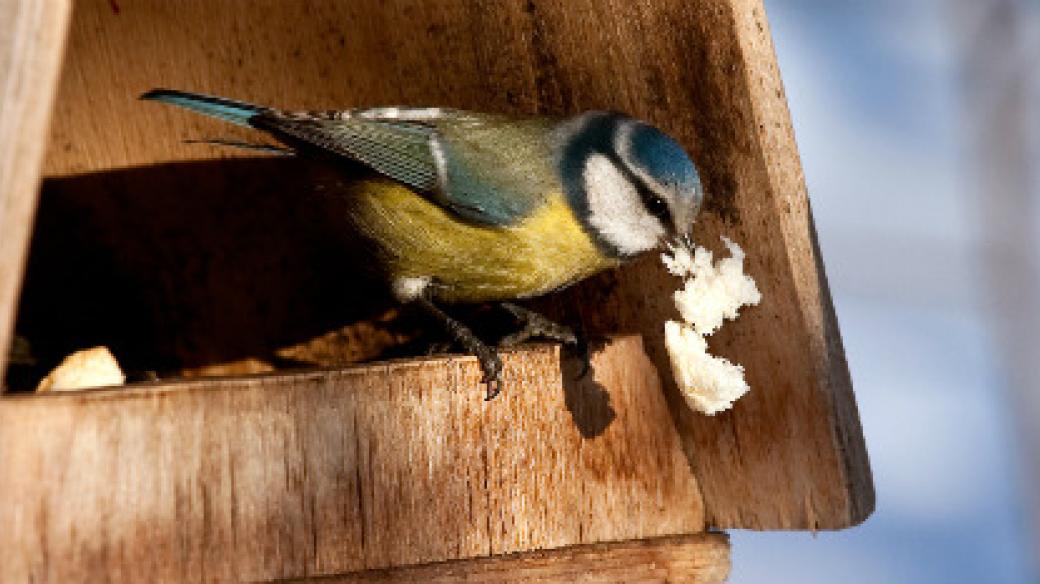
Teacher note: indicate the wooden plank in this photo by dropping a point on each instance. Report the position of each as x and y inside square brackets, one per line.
[691, 559]
[32, 37]
[790, 455]
[290, 476]
[843, 451]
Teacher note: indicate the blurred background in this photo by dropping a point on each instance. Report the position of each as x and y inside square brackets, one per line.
[918, 127]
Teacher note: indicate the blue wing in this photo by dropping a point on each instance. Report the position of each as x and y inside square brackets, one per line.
[488, 169]
[400, 151]
[229, 110]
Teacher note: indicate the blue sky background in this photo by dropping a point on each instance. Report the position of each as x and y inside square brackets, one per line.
[875, 94]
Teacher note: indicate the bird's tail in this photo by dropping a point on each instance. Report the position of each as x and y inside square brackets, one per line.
[236, 112]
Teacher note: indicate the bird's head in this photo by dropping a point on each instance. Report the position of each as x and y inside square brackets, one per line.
[632, 186]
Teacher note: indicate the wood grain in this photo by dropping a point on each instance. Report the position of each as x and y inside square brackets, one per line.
[691, 559]
[32, 39]
[291, 476]
[790, 455]
[831, 380]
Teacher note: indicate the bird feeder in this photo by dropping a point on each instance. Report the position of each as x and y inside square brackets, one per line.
[266, 455]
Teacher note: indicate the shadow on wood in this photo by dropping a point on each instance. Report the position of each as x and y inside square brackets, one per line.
[188, 264]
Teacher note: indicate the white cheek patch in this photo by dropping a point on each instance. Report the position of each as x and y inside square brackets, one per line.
[616, 210]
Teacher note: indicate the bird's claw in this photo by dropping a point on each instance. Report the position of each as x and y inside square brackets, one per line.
[585, 354]
[494, 387]
[536, 325]
[490, 362]
[491, 365]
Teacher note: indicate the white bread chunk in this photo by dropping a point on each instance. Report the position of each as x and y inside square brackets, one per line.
[710, 384]
[94, 367]
[710, 294]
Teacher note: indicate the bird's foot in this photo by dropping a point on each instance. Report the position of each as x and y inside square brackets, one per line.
[536, 325]
[491, 365]
[490, 362]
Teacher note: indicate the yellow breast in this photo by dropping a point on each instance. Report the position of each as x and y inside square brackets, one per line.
[475, 263]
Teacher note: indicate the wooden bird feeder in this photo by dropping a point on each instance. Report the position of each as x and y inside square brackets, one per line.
[193, 261]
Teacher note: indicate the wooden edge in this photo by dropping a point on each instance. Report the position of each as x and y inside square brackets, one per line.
[201, 380]
[779, 151]
[331, 472]
[701, 558]
[32, 41]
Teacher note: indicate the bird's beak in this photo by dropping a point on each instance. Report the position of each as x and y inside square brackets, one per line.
[684, 230]
[685, 240]
[681, 240]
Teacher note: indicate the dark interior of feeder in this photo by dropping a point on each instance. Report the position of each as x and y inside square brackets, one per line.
[211, 268]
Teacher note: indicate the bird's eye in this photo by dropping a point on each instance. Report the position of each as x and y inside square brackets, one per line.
[657, 207]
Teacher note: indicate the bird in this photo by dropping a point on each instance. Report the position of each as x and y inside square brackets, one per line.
[462, 207]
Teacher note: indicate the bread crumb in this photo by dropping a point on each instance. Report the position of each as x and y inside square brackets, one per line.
[94, 367]
[710, 294]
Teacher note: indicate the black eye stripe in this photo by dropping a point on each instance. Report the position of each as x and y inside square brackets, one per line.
[653, 204]
[658, 208]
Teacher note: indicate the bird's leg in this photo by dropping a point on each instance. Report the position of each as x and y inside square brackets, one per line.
[490, 363]
[538, 325]
[535, 325]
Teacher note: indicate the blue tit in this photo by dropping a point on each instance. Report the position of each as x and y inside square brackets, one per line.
[466, 207]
